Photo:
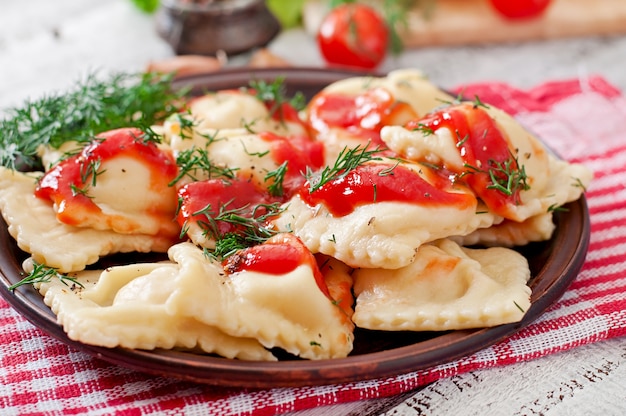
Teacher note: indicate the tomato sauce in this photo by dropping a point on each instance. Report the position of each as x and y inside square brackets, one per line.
[483, 148]
[363, 115]
[67, 183]
[299, 152]
[371, 183]
[279, 255]
[203, 201]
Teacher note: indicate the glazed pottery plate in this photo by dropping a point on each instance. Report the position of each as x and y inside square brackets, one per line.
[554, 264]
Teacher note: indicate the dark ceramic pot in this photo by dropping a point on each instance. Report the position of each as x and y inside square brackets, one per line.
[207, 27]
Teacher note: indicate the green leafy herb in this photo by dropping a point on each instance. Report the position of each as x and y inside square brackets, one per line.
[557, 208]
[249, 223]
[578, 183]
[94, 106]
[43, 274]
[79, 191]
[348, 160]
[477, 103]
[186, 124]
[424, 129]
[257, 154]
[196, 160]
[429, 165]
[507, 177]
[90, 170]
[278, 177]
[275, 95]
[389, 171]
[461, 140]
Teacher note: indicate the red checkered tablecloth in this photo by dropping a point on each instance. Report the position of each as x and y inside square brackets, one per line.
[581, 119]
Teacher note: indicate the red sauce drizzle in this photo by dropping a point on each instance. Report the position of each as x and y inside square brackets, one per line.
[363, 115]
[214, 194]
[279, 255]
[60, 184]
[480, 143]
[299, 152]
[372, 183]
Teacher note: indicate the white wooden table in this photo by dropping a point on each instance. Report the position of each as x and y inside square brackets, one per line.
[48, 45]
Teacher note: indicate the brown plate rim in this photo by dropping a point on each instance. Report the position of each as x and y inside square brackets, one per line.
[560, 268]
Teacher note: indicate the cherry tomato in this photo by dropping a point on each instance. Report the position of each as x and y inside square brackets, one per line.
[353, 35]
[520, 9]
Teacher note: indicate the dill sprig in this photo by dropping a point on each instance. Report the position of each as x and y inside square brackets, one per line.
[44, 274]
[424, 129]
[277, 176]
[196, 160]
[275, 95]
[507, 177]
[557, 208]
[348, 160]
[93, 106]
[249, 225]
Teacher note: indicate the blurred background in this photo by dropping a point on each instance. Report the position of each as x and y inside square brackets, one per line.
[46, 46]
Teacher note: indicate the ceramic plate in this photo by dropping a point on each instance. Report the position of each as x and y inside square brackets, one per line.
[554, 264]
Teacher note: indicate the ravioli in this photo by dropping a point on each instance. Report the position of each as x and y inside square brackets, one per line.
[287, 311]
[118, 182]
[33, 224]
[229, 152]
[511, 233]
[231, 109]
[381, 233]
[351, 112]
[447, 287]
[409, 86]
[550, 182]
[124, 306]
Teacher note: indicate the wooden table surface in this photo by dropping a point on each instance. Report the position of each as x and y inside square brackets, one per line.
[48, 45]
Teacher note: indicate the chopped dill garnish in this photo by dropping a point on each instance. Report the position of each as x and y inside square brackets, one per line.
[507, 177]
[248, 223]
[424, 129]
[389, 171]
[557, 208]
[186, 124]
[278, 176]
[578, 183]
[90, 170]
[44, 274]
[477, 103]
[191, 162]
[275, 94]
[348, 160]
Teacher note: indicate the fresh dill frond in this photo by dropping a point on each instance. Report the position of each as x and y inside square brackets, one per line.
[507, 177]
[348, 160]
[44, 274]
[90, 170]
[195, 160]
[248, 226]
[478, 103]
[278, 177]
[92, 107]
[275, 94]
[424, 129]
[557, 208]
[579, 184]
